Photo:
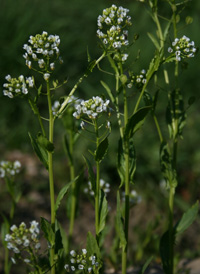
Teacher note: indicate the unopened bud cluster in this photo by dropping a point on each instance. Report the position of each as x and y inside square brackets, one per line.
[103, 185]
[137, 80]
[23, 239]
[43, 49]
[112, 27]
[91, 108]
[8, 168]
[82, 262]
[182, 48]
[17, 86]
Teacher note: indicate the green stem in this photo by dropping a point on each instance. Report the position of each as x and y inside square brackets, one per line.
[127, 187]
[97, 192]
[158, 128]
[175, 146]
[141, 94]
[51, 181]
[171, 237]
[72, 177]
[37, 113]
[64, 104]
[6, 262]
[113, 65]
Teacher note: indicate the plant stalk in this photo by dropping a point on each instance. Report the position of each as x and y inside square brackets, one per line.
[127, 188]
[51, 180]
[72, 177]
[97, 192]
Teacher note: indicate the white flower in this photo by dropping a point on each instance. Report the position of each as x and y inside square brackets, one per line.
[8, 77]
[73, 253]
[66, 266]
[46, 76]
[84, 251]
[13, 228]
[13, 260]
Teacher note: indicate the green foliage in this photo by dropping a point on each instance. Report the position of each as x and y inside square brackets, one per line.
[187, 219]
[92, 246]
[167, 168]
[62, 193]
[165, 243]
[101, 150]
[103, 211]
[40, 151]
[120, 225]
[136, 121]
[48, 231]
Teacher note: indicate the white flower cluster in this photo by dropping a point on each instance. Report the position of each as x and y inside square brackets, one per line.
[137, 80]
[111, 27]
[82, 262]
[182, 48]
[73, 101]
[103, 185]
[43, 49]
[17, 86]
[92, 107]
[23, 239]
[8, 168]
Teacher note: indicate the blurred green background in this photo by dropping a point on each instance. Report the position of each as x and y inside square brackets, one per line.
[75, 23]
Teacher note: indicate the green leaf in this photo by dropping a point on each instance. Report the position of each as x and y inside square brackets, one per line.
[120, 225]
[39, 90]
[4, 229]
[153, 66]
[58, 241]
[165, 252]
[90, 67]
[101, 150]
[62, 193]
[155, 100]
[92, 177]
[121, 162]
[175, 114]
[108, 91]
[65, 242]
[146, 265]
[103, 209]
[92, 246]
[166, 31]
[40, 151]
[48, 231]
[187, 219]
[44, 142]
[136, 121]
[121, 167]
[132, 160]
[33, 106]
[55, 83]
[154, 40]
[169, 173]
[88, 55]
[67, 149]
